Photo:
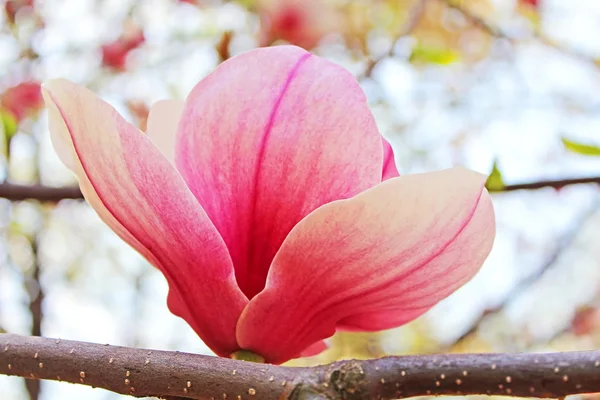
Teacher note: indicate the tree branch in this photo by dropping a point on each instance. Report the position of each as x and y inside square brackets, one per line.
[414, 16]
[139, 372]
[16, 192]
[499, 33]
[477, 20]
[566, 240]
[556, 184]
[36, 294]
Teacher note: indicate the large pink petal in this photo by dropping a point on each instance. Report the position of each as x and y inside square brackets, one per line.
[267, 138]
[314, 349]
[372, 262]
[141, 196]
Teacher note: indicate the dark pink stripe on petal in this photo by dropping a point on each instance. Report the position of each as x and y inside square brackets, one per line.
[389, 163]
[268, 137]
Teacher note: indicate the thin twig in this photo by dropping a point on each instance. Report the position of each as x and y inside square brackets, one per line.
[140, 372]
[556, 184]
[36, 293]
[477, 20]
[415, 15]
[16, 192]
[567, 239]
[499, 33]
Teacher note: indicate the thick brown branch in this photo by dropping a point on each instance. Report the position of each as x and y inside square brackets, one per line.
[140, 372]
[143, 373]
[17, 192]
[556, 184]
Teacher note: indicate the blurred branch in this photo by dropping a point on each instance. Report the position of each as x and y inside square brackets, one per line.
[223, 44]
[36, 298]
[561, 246]
[499, 33]
[17, 192]
[477, 20]
[556, 184]
[411, 23]
[35, 290]
[140, 373]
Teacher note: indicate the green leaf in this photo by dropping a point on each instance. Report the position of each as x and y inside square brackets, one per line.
[581, 148]
[494, 182]
[433, 55]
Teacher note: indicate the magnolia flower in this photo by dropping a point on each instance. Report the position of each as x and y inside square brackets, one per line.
[272, 205]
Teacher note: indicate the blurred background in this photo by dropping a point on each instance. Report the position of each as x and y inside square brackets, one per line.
[509, 88]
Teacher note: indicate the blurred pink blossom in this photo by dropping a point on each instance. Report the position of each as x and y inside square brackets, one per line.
[12, 7]
[300, 22]
[114, 54]
[22, 100]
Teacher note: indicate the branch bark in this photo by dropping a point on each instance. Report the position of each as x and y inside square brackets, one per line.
[556, 184]
[16, 192]
[140, 372]
[36, 300]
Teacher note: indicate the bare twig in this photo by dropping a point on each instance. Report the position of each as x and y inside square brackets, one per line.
[477, 20]
[17, 192]
[556, 184]
[415, 15]
[36, 294]
[139, 372]
[499, 33]
[567, 239]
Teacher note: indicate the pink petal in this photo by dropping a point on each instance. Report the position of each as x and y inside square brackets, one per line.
[267, 138]
[372, 262]
[162, 125]
[314, 349]
[140, 195]
[389, 164]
